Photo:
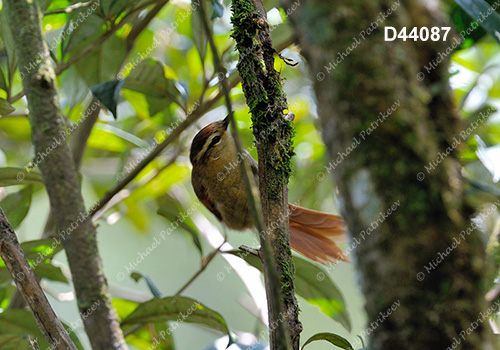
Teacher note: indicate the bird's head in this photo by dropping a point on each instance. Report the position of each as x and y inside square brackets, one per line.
[211, 142]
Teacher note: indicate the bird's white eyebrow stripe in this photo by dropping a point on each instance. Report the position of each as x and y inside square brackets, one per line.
[205, 146]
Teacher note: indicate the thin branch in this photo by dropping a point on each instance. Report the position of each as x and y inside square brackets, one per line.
[69, 9]
[252, 251]
[139, 27]
[95, 44]
[170, 139]
[205, 261]
[28, 285]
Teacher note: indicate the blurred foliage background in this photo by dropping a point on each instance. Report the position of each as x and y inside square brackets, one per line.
[169, 76]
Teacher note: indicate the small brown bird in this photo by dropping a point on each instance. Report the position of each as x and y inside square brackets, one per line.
[216, 178]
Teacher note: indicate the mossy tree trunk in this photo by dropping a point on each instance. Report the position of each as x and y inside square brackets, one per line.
[382, 123]
[273, 136]
[74, 226]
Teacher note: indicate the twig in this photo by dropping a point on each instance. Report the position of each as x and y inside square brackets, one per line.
[28, 285]
[205, 261]
[69, 9]
[249, 250]
[139, 27]
[95, 44]
[170, 138]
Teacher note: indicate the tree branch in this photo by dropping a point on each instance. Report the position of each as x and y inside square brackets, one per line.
[75, 228]
[27, 284]
[273, 134]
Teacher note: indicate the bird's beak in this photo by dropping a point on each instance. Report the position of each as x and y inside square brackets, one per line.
[225, 122]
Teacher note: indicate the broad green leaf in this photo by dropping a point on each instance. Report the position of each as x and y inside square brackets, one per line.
[105, 61]
[163, 335]
[105, 140]
[16, 205]
[148, 77]
[50, 272]
[3, 82]
[477, 9]
[199, 36]
[39, 254]
[5, 107]
[8, 42]
[177, 309]
[40, 249]
[14, 342]
[314, 285]
[334, 339]
[18, 176]
[18, 129]
[107, 93]
[21, 322]
[5, 295]
[124, 307]
[122, 134]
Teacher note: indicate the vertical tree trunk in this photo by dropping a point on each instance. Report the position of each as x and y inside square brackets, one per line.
[273, 135]
[384, 118]
[74, 226]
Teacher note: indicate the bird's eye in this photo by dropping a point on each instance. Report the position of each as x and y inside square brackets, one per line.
[215, 140]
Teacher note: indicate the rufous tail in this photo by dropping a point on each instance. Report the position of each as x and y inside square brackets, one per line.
[315, 234]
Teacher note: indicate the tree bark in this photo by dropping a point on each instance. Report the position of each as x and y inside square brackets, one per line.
[57, 166]
[273, 136]
[28, 286]
[384, 119]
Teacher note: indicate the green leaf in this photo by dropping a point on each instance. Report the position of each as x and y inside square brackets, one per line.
[162, 333]
[16, 205]
[50, 272]
[107, 93]
[314, 285]
[148, 78]
[178, 310]
[14, 342]
[104, 140]
[3, 82]
[21, 322]
[18, 176]
[199, 36]
[134, 140]
[334, 339]
[5, 107]
[8, 42]
[477, 9]
[39, 254]
[41, 248]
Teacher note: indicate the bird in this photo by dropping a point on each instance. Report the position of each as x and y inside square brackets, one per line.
[313, 234]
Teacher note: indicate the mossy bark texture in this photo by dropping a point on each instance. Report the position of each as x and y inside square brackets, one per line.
[384, 117]
[273, 135]
[74, 227]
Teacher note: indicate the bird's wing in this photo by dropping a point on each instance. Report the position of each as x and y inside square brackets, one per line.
[202, 194]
